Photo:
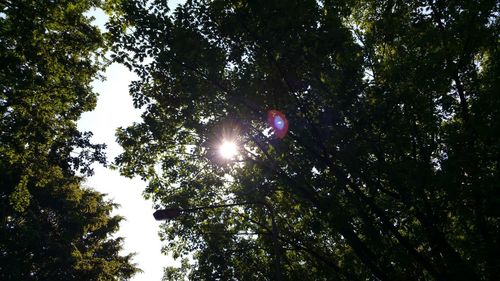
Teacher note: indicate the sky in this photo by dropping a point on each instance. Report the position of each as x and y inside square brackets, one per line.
[114, 109]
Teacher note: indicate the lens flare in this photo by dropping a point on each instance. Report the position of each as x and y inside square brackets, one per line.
[228, 149]
[278, 122]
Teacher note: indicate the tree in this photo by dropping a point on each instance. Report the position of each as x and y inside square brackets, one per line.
[389, 167]
[51, 227]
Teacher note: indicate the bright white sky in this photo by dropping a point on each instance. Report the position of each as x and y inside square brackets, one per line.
[115, 109]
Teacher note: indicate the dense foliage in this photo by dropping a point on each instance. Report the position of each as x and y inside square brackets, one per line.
[51, 227]
[390, 168]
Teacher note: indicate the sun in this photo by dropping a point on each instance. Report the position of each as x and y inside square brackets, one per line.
[228, 149]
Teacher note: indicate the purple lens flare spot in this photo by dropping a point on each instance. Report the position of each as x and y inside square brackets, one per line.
[278, 122]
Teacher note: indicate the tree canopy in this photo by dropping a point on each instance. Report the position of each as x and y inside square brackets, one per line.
[51, 227]
[389, 169]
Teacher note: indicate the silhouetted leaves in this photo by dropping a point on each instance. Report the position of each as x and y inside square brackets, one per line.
[390, 166]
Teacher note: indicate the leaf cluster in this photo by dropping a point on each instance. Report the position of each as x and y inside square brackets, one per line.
[51, 227]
